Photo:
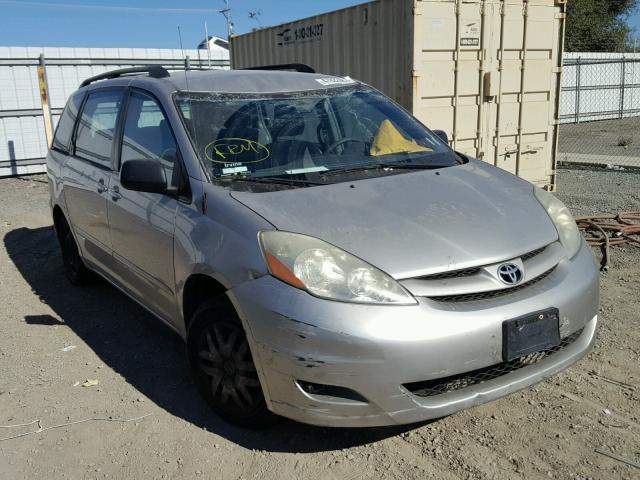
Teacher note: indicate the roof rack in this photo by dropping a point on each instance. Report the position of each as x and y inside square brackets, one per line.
[298, 67]
[155, 71]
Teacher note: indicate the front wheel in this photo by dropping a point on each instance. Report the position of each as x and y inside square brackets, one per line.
[223, 368]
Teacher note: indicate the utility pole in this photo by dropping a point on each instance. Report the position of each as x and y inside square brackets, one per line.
[226, 11]
[206, 39]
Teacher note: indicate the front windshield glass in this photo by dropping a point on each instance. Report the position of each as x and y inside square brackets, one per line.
[301, 133]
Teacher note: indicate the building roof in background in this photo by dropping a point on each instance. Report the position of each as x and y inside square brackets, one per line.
[214, 43]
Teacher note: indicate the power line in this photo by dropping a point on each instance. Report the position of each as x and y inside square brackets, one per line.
[256, 16]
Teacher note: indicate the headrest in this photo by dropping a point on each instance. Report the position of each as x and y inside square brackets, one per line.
[287, 122]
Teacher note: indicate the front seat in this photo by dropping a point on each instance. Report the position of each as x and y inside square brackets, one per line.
[287, 148]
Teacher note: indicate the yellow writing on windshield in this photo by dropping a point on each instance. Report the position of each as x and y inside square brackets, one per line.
[236, 150]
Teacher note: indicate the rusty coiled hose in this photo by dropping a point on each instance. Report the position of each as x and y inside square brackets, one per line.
[607, 230]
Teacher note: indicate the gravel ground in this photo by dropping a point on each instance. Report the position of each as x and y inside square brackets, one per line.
[603, 142]
[548, 431]
[619, 137]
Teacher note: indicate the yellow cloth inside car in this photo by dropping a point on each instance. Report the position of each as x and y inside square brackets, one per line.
[389, 140]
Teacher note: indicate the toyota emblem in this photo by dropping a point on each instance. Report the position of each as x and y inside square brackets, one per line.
[510, 274]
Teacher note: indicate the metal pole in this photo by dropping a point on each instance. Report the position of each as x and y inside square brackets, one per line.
[623, 82]
[226, 11]
[523, 66]
[206, 36]
[44, 99]
[229, 21]
[187, 62]
[503, 15]
[578, 85]
[456, 71]
[480, 133]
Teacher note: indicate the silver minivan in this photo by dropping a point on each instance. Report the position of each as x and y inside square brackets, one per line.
[325, 256]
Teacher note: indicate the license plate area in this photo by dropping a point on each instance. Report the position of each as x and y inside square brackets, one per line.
[530, 333]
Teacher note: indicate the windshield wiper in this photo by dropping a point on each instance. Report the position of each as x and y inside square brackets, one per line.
[277, 180]
[378, 166]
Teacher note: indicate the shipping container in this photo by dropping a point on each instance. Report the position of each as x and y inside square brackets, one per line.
[487, 72]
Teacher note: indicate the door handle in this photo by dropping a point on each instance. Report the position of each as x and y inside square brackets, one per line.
[101, 186]
[115, 193]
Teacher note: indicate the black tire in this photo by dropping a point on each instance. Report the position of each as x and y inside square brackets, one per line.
[74, 268]
[222, 366]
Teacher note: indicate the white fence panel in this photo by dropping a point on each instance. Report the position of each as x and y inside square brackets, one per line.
[600, 86]
[23, 146]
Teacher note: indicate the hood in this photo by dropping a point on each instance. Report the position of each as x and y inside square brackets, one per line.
[417, 223]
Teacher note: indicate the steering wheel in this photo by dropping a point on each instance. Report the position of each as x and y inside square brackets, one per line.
[341, 142]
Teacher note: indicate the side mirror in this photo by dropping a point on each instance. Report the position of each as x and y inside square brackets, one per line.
[143, 176]
[442, 135]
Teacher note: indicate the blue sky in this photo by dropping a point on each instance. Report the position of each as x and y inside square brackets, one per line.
[634, 21]
[52, 23]
[145, 23]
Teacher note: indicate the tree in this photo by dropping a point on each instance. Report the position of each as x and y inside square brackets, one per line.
[598, 25]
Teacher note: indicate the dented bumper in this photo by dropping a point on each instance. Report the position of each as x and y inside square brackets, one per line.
[375, 351]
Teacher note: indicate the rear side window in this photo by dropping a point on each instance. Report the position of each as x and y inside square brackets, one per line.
[147, 135]
[62, 138]
[97, 128]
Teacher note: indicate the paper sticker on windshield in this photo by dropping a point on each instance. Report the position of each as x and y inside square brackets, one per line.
[296, 171]
[236, 150]
[230, 170]
[328, 81]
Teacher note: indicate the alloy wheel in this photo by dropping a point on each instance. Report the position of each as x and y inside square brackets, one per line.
[225, 358]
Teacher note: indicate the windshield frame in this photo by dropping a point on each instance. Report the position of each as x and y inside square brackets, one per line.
[356, 87]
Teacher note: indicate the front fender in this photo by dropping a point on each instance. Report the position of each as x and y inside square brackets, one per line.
[216, 236]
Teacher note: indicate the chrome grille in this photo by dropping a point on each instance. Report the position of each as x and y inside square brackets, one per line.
[471, 297]
[467, 272]
[530, 255]
[440, 386]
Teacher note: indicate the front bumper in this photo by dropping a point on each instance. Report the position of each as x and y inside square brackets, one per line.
[375, 350]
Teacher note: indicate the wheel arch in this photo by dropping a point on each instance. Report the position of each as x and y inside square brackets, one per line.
[199, 288]
[58, 217]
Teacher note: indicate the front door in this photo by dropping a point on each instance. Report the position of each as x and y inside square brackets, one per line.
[142, 224]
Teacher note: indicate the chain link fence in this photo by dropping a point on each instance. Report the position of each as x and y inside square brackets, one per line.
[600, 110]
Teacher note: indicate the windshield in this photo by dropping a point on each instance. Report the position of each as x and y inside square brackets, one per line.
[298, 134]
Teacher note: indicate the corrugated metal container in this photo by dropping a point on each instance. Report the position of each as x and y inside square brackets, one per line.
[485, 71]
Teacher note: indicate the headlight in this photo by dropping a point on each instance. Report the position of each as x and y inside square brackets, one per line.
[328, 272]
[563, 220]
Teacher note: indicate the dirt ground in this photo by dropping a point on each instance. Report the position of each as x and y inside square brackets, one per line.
[612, 143]
[619, 137]
[549, 431]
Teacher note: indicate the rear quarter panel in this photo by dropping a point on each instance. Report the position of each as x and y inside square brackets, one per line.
[55, 165]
